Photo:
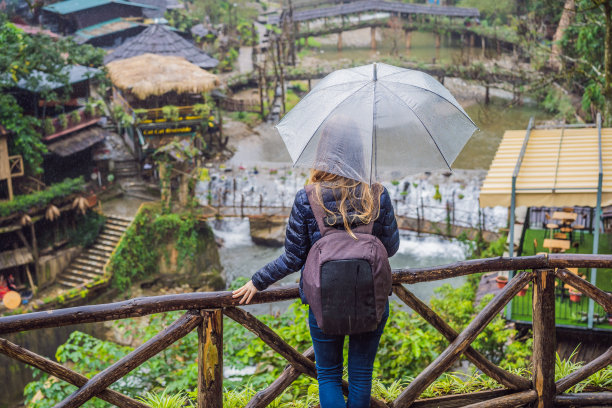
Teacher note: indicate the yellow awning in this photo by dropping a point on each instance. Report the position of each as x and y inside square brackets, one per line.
[560, 168]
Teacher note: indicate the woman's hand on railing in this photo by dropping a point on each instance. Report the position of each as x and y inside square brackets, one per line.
[247, 292]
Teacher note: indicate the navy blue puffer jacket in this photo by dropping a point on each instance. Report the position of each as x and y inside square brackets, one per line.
[303, 232]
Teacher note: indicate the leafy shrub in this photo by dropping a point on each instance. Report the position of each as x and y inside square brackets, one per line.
[38, 199]
[88, 227]
[138, 254]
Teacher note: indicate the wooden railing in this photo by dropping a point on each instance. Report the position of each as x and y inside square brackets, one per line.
[204, 312]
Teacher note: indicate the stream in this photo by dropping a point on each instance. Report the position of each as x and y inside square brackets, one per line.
[260, 170]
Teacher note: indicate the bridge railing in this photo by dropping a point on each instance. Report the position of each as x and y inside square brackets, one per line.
[204, 313]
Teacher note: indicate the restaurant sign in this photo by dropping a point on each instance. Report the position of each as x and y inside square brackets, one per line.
[168, 131]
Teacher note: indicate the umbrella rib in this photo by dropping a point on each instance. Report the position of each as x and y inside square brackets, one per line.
[432, 92]
[326, 117]
[425, 127]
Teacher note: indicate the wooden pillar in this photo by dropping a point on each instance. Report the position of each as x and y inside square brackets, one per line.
[306, 42]
[340, 41]
[483, 45]
[408, 37]
[544, 338]
[438, 40]
[9, 181]
[35, 250]
[183, 193]
[487, 98]
[164, 180]
[373, 38]
[472, 40]
[210, 359]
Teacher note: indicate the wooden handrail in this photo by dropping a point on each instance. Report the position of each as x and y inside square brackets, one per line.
[204, 311]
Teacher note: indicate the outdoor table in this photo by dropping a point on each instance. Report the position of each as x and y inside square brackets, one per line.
[565, 217]
[556, 244]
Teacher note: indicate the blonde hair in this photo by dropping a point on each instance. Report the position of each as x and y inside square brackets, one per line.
[354, 194]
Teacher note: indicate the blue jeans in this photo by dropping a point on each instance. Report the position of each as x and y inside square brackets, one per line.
[329, 361]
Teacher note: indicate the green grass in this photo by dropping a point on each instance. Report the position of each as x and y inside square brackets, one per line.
[604, 276]
[567, 312]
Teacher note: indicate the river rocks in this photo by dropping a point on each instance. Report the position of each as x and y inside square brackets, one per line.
[268, 230]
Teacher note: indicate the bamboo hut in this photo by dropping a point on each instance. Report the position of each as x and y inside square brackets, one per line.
[150, 76]
[165, 95]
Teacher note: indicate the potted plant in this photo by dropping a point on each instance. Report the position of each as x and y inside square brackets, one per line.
[48, 126]
[523, 291]
[171, 113]
[574, 295]
[75, 117]
[63, 121]
[501, 281]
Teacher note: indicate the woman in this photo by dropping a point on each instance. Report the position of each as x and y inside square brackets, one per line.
[349, 203]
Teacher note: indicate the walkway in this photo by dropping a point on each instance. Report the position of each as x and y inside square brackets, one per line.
[368, 6]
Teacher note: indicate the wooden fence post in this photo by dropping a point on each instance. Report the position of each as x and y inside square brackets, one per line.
[544, 338]
[210, 359]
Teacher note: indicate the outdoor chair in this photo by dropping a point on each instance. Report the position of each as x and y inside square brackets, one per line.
[560, 235]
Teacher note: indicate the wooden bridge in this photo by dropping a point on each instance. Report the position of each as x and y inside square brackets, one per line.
[372, 6]
[204, 312]
[419, 224]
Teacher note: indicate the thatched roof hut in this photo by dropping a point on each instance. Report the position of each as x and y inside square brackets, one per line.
[161, 40]
[155, 75]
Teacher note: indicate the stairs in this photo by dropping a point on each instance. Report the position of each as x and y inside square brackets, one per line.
[89, 265]
[126, 169]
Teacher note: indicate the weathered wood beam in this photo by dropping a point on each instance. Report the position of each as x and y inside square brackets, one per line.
[507, 401]
[57, 370]
[157, 343]
[273, 340]
[459, 400]
[592, 291]
[415, 275]
[210, 359]
[299, 361]
[584, 372]
[264, 397]
[598, 399]
[544, 337]
[210, 300]
[135, 308]
[502, 376]
[462, 341]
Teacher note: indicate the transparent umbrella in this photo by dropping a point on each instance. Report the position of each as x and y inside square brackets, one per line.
[376, 121]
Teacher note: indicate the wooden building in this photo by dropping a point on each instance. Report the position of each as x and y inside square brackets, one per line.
[69, 124]
[67, 17]
[10, 166]
[164, 95]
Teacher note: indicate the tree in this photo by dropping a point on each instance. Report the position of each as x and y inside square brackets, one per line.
[587, 46]
[21, 56]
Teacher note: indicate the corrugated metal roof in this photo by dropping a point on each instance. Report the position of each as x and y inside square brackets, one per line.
[560, 168]
[78, 141]
[104, 28]
[15, 257]
[72, 6]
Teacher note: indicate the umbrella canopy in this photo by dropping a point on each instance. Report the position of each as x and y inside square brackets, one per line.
[376, 121]
[149, 74]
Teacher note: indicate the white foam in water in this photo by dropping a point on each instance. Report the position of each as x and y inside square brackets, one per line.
[431, 247]
[234, 232]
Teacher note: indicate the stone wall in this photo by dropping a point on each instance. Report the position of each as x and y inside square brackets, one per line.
[52, 265]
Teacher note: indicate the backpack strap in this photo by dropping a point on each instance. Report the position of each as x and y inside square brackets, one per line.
[319, 212]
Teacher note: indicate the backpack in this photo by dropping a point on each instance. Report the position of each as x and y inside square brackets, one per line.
[346, 282]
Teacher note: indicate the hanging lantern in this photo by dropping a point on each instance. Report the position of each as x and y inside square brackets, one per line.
[80, 203]
[25, 220]
[52, 213]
